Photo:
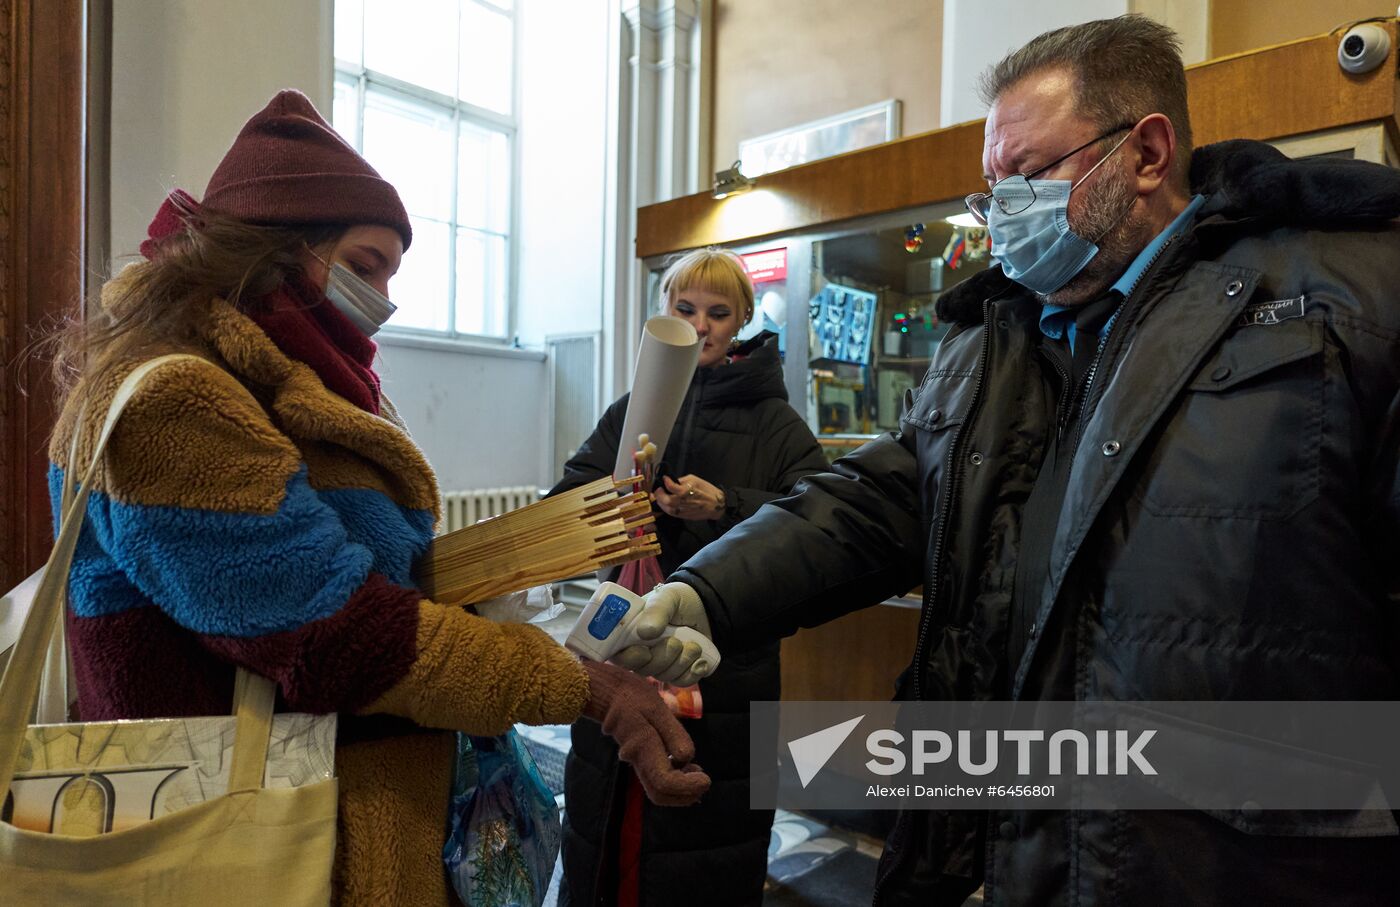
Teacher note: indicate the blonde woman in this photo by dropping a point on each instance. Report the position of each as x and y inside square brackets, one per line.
[736, 445]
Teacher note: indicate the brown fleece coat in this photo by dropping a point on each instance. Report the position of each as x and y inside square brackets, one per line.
[229, 436]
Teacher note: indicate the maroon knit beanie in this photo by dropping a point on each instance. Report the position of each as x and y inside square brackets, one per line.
[288, 166]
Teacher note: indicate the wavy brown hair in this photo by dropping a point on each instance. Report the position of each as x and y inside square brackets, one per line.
[160, 305]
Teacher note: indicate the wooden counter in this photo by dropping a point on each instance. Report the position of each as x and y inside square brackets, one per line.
[854, 658]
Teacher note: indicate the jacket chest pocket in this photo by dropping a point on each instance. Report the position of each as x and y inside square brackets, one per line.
[933, 417]
[1244, 440]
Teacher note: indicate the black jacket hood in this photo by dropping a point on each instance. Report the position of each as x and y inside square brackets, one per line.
[1249, 187]
[1249, 182]
[755, 374]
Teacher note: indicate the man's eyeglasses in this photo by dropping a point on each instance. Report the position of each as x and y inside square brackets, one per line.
[1014, 194]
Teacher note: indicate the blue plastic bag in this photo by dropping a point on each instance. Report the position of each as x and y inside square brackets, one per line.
[503, 835]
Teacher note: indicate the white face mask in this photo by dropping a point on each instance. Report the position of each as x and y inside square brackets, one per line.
[365, 306]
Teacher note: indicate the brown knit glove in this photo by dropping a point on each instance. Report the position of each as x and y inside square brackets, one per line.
[646, 732]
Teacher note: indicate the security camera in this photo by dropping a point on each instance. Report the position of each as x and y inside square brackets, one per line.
[1363, 48]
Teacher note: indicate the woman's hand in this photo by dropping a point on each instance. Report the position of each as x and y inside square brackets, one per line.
[691, 498]
[649, 738]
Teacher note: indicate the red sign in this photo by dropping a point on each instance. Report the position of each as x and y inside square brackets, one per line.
[766, 266]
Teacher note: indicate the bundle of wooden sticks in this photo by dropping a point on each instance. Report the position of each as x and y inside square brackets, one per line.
[596, 525]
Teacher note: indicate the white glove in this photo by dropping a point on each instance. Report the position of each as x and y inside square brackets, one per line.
[669, 660]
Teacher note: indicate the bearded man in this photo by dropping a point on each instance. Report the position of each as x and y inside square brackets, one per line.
[1154, 459]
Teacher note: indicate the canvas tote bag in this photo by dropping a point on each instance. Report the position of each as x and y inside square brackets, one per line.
[250, 845]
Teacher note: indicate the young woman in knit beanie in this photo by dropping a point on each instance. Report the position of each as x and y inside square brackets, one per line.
[264, 508]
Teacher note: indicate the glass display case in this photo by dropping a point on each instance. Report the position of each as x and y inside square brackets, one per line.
[862, 301]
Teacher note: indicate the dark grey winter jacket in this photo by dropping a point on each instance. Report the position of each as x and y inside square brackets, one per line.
[1231, 530]
[735, 430]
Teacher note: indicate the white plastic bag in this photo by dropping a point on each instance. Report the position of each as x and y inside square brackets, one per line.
[528, 606]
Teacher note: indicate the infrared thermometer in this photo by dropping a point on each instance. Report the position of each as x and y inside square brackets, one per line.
[607, 626]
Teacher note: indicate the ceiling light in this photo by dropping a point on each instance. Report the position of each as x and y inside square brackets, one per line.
[963, 220]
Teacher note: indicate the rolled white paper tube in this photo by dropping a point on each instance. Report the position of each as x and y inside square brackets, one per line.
[666, 361]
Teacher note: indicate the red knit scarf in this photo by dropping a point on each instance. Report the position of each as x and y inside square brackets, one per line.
[298, 318]
[307, 327]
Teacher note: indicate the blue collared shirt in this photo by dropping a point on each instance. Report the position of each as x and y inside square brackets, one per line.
[1056, 321]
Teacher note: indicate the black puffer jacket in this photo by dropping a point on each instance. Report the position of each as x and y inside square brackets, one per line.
[737, 431]
[1230, 531]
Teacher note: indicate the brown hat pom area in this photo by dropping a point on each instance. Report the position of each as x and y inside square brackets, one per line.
[288, 166]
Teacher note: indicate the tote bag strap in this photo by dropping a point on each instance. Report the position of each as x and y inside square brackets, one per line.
[56, 693]
[253, 698]
[19, 686]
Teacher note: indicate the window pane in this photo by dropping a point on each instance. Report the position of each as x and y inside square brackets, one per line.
[413, 41]
[481, 284]
[483, 179]
[488, 58]
[349, 31]
[420, 287]
[410, 144]
[345, 111]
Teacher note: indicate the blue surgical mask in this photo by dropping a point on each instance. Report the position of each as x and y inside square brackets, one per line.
[365, 306]
[1035, 247]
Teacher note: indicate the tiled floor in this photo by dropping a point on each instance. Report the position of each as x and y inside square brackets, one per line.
[809, 865]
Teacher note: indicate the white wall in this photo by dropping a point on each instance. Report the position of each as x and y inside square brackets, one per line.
[1190, 19]
[480, 418]
[978, 33]
[563, 125]
[186, 74]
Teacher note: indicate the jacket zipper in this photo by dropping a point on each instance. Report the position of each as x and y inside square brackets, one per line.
[1062, 406]
[895, 833]
[953, 469]
[1086, 390]
[950, 469]
[1082, 397]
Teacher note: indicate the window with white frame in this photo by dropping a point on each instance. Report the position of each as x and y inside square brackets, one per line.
[425, 90]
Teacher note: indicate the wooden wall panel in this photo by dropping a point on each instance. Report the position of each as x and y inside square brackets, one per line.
[42, 108]
[1238, 26]
[1287, 90]
[855, 658]
[1274, 92]
[921, 169]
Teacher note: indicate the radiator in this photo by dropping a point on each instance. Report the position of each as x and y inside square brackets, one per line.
[464, 508]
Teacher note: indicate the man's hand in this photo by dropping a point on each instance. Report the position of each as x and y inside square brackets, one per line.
[670, 660]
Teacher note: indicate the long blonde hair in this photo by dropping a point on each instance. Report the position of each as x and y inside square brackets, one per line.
[160, 304]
